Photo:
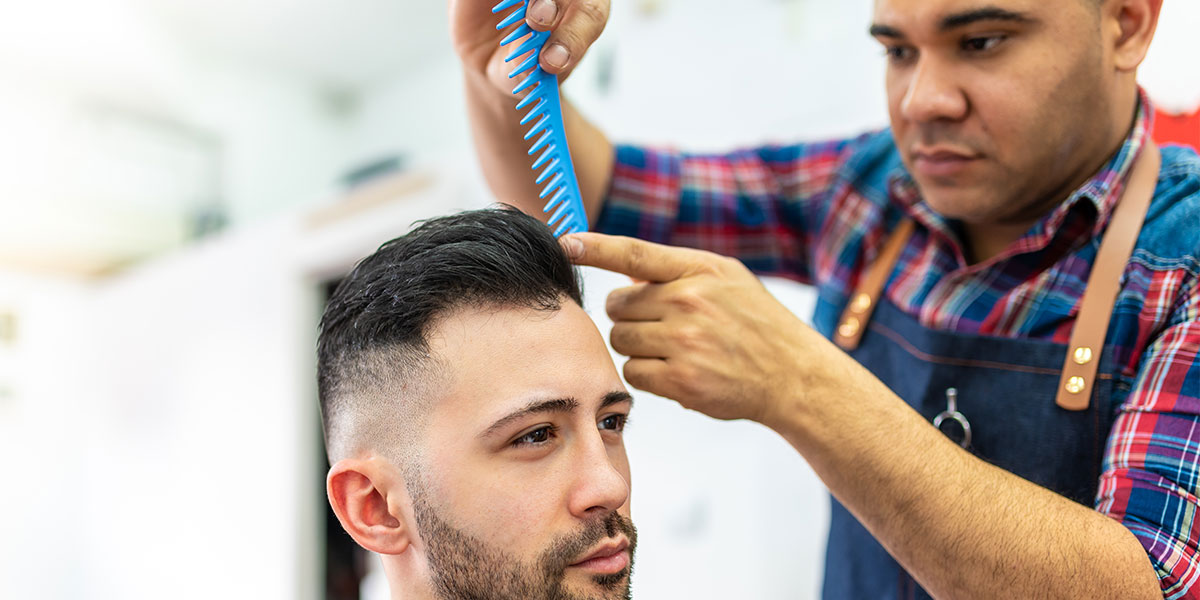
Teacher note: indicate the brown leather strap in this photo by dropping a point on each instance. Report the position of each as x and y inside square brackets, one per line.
[866, 296]
[1095, 309]
[1104, 283]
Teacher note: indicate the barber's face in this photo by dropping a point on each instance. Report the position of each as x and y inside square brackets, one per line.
[999, 107]
[524, 490]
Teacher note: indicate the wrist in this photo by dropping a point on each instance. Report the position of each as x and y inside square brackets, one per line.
[786, 409]
[814, 402]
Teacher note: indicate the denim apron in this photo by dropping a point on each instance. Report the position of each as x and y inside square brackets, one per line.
[999, 398]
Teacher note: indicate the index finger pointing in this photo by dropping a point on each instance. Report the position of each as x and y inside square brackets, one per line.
[636, 258]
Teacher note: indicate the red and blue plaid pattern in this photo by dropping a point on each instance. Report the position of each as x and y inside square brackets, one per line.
[817, 213]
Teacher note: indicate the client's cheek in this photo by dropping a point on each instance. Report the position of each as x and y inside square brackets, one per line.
[505, 520]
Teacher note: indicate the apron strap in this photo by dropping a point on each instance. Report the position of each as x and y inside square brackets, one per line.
[1104, 283]
[866, 296]
[1095, 309]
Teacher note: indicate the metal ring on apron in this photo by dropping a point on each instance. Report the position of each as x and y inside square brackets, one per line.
[952, 413]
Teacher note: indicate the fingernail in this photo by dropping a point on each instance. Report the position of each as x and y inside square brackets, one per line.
[543, 12]
[573, 247]
[556, 56]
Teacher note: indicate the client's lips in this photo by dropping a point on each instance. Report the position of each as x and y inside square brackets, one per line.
[610, 557]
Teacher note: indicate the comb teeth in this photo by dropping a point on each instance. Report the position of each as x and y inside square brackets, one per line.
[505, 5]
[513, 18]
[544, 117]
[535, 111]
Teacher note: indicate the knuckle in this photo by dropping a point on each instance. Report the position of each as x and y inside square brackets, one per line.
[716, 264]
[634, 374]
[621, 300]
[595, 11]
[637, 253]
[690, 337]
[580, 27]
[728, 263]
[688, 298]
[567, 36]
[635, 258]
[683, 378]
[622, 337]
[613, 304]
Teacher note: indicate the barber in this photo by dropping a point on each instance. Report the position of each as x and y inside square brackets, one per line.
[1001, 387]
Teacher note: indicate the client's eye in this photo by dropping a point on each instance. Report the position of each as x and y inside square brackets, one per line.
[614, 422]
[536, 437]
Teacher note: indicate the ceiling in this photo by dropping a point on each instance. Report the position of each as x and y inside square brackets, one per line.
[343, 43]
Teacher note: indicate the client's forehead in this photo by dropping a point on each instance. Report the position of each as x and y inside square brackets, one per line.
[498, 359]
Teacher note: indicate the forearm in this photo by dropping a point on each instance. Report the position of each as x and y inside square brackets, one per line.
[961, 527]
[498, 134]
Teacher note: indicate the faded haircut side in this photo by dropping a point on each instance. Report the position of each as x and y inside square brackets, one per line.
[375, 371]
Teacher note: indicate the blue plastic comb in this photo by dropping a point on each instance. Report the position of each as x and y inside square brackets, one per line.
[562, 188]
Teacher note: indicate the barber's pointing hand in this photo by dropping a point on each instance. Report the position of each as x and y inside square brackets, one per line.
[702, 330]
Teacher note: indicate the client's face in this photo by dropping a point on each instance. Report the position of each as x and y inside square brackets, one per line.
[525, 485]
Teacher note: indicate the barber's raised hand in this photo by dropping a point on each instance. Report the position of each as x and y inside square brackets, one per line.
[575, 24]
[702, 330]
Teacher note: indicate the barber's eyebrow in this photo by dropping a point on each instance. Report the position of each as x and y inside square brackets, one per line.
[959, 20]
[554, 405]
[886, 31]
[989, 13]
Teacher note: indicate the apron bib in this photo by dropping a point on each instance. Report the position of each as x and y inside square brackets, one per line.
[1005, 389]
[1015, 403]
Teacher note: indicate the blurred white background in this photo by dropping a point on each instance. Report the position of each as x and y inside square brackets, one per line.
[179, 179]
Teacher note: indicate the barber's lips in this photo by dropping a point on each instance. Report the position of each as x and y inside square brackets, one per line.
[610, 557]
[942, 162]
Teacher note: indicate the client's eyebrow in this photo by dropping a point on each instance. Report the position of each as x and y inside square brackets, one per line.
[555, 405]
[616, 397]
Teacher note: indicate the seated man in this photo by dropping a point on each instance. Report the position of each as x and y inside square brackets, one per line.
[474, 418]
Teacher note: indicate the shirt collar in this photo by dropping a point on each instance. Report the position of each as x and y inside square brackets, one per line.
[1105, 188]
[1101, 193]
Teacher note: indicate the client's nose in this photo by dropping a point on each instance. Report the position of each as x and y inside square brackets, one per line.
[600, 486]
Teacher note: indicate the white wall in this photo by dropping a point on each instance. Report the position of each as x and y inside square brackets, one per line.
[39, 440]
[157, 447]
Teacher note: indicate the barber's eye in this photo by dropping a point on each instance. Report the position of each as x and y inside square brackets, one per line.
[614, 422]
[982, 43]
[900, 53]
[536, 437]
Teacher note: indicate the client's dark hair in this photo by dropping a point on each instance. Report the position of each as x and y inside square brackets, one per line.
[373, 353]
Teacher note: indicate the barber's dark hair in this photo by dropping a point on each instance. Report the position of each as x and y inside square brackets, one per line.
[374, 330]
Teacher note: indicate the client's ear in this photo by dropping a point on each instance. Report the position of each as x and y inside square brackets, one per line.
[370, 501]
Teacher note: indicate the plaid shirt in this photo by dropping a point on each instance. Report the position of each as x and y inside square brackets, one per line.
[817, 213]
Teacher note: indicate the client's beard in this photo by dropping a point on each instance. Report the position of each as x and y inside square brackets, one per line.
[465, 568]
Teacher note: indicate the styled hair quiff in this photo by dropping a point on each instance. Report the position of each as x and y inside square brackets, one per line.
[374, 366]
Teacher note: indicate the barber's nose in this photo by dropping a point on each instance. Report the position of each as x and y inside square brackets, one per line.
[599, 486]
[933, 94]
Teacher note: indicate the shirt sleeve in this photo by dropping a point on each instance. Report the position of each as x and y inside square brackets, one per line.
[1151, 475]
[762, 206]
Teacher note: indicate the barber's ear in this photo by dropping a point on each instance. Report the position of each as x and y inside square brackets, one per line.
[372, 503]
[1133, 23]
